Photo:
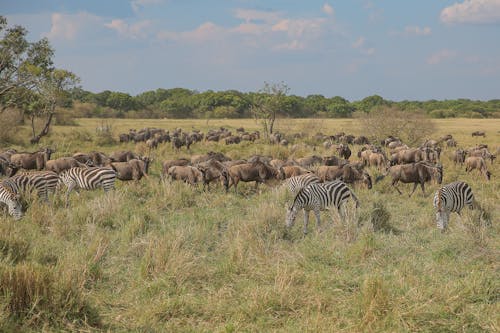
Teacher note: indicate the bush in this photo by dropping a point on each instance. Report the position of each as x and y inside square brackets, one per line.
[411, 127]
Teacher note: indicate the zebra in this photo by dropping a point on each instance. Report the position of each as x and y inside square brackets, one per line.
[451, 198]
[42, 182]
[11, 199]
[317, 197]
[295, 184]
[88, 179]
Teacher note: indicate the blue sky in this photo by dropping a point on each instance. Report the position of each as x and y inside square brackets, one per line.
[417, 50]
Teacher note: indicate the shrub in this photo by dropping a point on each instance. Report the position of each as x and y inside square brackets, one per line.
[411, 127]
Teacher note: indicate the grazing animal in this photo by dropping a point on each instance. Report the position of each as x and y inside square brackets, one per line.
[134, 169]
[307, 162]
[30, 161]
[416, 173]
[258, 172]
[344, 151]
[377, 159]
[188, 174]
[451, 198]
[459, 156]
[214, 170]
[11, 199]
[479, 133]
[317, 197]
[294, 170]
[41, 182]
[63, 163]
[170, 163]
[123, 156]
[478, 163]
[413, 155]
[88, 179]
[296, 183]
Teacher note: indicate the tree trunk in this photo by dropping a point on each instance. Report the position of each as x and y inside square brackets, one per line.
[271, 123]
[44, 131]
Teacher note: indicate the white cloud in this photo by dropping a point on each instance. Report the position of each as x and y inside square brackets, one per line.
[136, 30]
[327, 9]
[441, 56]
[472, 11]
[68, 26]
[205, 32]
[360, 45]
[359, 42]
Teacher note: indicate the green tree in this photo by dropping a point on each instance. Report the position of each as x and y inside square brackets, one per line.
[268, 103]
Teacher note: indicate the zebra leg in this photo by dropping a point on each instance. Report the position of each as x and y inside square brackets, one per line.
[70, 188]
[318, 220]
[306, 221]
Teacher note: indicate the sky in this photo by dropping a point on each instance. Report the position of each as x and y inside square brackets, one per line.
[400, 50]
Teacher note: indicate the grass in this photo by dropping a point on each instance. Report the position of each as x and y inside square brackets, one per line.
[155, 257]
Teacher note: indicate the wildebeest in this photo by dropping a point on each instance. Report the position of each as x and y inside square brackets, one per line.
[233, 139]
[416, 173]
[459, 156]
[188, 174]
[63, 163]
[214, 170]
[294, 170]
[258, 172]
[7, 168]
[348, 173]
[95, 158]
[309, 161]
[123, 156]
[478, 163]
[30, 161]
[334, 160]
[134, 169]
[378, 160]
[195, 159]
[479, 133]
[344, 151]
[408, 156]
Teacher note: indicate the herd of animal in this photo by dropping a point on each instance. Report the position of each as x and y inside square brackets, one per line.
[316, 182]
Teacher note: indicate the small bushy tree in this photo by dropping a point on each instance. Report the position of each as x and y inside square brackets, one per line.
[411, 127]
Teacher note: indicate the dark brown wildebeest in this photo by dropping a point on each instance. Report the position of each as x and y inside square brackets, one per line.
[361, 140]
[416, 173]
[257, 172]
[188, 174]
[170, 163]
[478, 163]
[232, 140]
[482, 152]
[334, 160]
[451, 143]
[30, 161]
[479, 133]
[63, 163]
[351, 174]
[214, 170]
[344, 151]
[7, 168]
[378, 160]
[329, 173]
[134, 169]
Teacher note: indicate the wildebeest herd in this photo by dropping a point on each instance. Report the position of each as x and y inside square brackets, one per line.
[317, 182]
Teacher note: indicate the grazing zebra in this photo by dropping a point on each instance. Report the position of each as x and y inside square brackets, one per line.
[295, 184]
[11, 199]
[88, 179]
[42, 182]
[317, 197]
[452, 198]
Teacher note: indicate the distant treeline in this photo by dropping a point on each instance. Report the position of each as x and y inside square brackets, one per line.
[185, 103]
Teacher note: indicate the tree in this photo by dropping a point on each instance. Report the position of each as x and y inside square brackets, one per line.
[268, 103]
[28, 80]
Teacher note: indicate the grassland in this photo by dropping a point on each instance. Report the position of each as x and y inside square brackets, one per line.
[153, 257]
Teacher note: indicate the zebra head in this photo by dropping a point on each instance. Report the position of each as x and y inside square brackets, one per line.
[291, 214]
[14, 204]
[442, 218]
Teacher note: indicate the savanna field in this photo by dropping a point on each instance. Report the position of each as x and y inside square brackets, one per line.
[156, 256]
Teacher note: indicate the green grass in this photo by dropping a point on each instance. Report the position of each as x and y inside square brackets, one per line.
[168, 257]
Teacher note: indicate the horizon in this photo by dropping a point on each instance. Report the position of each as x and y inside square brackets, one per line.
[419, 51]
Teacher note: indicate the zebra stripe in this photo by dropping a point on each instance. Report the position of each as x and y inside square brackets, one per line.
[317, 197]
[8, 197]
[451, 198]
[295, 184]
[88, 179]
[42, 182]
